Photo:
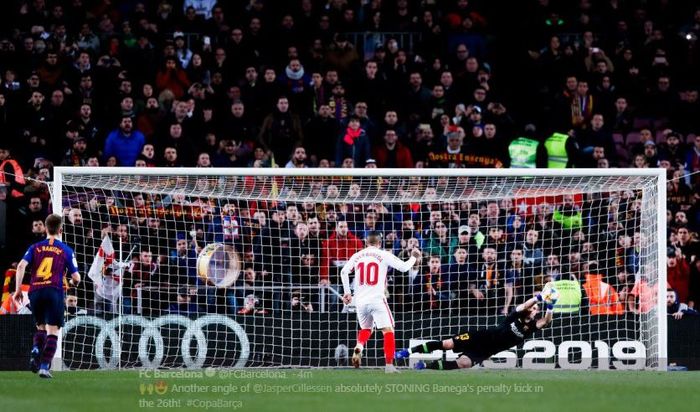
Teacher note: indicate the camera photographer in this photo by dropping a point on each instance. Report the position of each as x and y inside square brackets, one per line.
[299, 302]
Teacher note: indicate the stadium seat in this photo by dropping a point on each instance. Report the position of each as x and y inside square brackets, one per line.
[622, 153]
[660, 137]
[640, 123]
[633, 138]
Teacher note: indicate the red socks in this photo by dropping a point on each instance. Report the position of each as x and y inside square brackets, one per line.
[363, 336]
[389, 347]
[389, 343]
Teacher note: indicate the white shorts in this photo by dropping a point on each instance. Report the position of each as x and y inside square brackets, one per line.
[375, 313]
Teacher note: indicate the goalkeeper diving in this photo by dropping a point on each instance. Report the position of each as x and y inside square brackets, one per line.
[477, 346]
[370, 266]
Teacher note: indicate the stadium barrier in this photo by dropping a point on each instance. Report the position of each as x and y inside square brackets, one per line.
[313, 340]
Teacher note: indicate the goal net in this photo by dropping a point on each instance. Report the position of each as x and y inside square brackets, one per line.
[265, 291]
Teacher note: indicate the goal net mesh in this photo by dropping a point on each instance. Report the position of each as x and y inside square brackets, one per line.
[270, 294]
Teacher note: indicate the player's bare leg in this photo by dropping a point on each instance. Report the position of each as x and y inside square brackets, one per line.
[362, 338]
[49, 351]
[389, 349]
[37, 347]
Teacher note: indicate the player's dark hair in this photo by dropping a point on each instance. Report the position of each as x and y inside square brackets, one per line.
[374, 237]
[53, 224]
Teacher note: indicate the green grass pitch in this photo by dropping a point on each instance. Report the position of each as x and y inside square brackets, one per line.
[350, 390]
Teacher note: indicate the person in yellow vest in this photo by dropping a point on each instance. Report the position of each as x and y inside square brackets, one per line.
[527, 151]
[561, 150]
[523, 153]
[568, 215]
[569, 296]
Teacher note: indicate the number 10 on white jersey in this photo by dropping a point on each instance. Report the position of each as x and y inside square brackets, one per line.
[371, 266]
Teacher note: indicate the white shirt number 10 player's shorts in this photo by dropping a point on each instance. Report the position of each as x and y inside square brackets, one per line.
[377, 313]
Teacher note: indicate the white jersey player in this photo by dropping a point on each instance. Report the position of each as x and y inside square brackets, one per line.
[370, 266]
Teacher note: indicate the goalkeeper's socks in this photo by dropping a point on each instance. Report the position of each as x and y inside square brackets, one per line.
[427, 347]
[389, 347]
[363, 336]
[39, 340]
[49, 350]
[442, 365]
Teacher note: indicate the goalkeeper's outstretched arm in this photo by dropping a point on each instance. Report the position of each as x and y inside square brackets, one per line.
[528, 304]
[549, 313]
[547, 318]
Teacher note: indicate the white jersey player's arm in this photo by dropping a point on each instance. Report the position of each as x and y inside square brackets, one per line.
[399, 264]
[345, 273]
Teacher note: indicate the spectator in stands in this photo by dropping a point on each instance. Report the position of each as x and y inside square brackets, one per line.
[280, 132]
[438, 244]
[353, 143]
[676, 307]
[672, 150]
[489, 278]
[34, 209]
[273, 245]
[433, 284]
[124, 143]
[71, 302]
[692, 160]
[300, 302]
[171, 77]
[596, 136]
[186, 303]
[320, 135]
[298, 159]
[392, 153]
[142, 274]
[515, 275]
[678, 273]
[688, 246]
[184, 261]
[533, 253]
[78, 154]
[602, 297]
[251, 306]
[306, 254]
[622, 119]
[650, 153]
[335, 251]
[465, 240]
[552, 270]
[450, 156]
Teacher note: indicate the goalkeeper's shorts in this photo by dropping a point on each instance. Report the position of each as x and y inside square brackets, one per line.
[468, 345]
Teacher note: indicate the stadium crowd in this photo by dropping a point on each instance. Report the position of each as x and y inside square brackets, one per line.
[343, 83]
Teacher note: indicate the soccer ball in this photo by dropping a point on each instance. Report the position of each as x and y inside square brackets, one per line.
[550, 295]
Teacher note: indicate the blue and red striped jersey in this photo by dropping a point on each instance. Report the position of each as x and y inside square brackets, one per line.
[49, 260]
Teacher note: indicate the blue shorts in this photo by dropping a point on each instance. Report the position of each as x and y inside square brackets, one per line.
[47, 306]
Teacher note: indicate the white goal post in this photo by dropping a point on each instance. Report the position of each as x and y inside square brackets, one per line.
[489, 238]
